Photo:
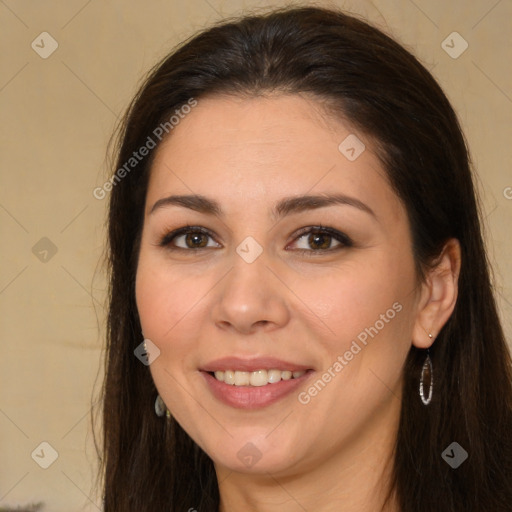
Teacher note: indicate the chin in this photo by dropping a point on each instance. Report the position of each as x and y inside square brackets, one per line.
[255, 454]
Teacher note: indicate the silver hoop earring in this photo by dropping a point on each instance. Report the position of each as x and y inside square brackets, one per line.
[160, 408]
[427, 372]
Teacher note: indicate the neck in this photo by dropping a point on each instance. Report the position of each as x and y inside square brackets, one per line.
[354, 478]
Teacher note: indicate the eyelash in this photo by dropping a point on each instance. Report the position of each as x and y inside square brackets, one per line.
[343, 239]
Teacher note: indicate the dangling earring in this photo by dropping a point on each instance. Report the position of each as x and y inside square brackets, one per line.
[427, 371]
[160, 408]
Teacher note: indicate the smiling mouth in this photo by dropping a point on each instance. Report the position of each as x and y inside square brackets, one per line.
[256, 378]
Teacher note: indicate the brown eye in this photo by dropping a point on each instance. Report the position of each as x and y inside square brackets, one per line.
[319, 239]
[194, 240]
[189, 237]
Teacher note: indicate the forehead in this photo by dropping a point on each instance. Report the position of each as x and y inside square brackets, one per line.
[241, 150]
[264, 127]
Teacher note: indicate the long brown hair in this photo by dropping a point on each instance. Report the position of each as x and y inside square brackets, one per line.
[149, 464]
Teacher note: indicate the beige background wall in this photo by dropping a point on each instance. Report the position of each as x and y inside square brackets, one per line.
[56, 117]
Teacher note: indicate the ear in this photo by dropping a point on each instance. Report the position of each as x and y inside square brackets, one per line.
[438, 296]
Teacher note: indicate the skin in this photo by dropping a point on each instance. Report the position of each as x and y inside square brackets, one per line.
[332, 453]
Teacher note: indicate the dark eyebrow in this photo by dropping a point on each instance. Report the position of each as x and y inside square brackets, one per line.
[286, 206]
[194, 202]
[297, 204]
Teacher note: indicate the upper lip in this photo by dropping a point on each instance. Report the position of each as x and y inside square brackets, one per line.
[252, 364]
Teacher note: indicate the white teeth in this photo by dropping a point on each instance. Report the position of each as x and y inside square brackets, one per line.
[241, 378]
[274, 376]
[229, 377]
[257, 378]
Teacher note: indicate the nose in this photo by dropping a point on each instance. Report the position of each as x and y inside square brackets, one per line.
[251, 298]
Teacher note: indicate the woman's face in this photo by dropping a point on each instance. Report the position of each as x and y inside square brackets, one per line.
[260, 293]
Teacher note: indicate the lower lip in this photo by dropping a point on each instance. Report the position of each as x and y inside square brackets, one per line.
[253, 397]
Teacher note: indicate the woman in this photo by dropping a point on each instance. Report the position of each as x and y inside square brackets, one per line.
[301, 315]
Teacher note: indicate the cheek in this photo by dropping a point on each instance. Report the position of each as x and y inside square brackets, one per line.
[165, 298]
[368, 318]
[350, 299]
[169, 304]
[364, 334]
